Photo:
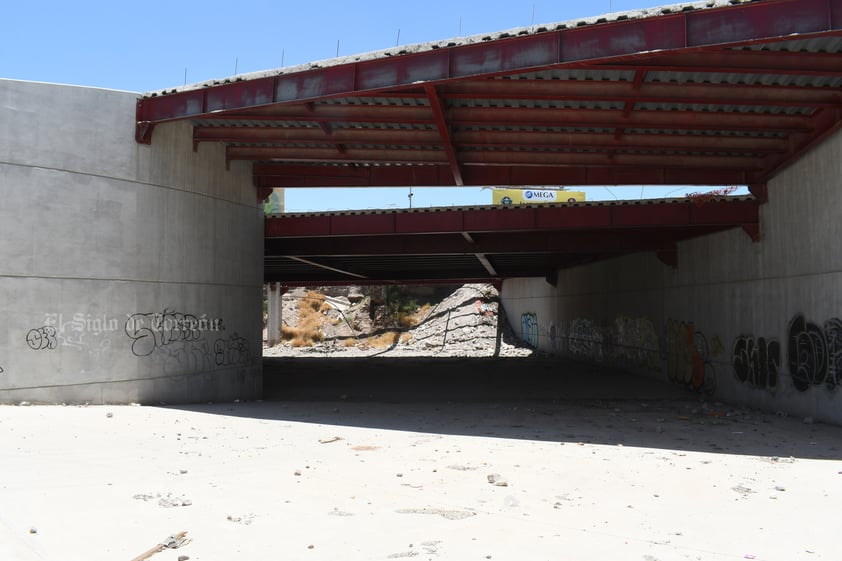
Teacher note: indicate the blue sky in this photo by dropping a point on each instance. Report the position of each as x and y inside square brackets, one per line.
[156, 44]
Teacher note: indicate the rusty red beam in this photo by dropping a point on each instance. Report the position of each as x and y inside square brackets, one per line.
[592, 43]
[639, 91]
[781, 63]
[558, 158]
[580, 242]
[444, 132]
[303, 135]
[575, 159]
[494, 137]
[825, 123]
[502, 219]
[271, 276]
[667, 120]
[536, 116]
[546, 117]
[268, 175]
[347, 155]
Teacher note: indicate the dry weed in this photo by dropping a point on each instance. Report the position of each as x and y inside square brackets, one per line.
[308, 332]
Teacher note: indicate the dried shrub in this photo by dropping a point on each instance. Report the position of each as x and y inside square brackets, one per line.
[411, 319]
[308, 332]
[384, 340]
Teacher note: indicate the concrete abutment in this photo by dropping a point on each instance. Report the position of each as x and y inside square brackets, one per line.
[130, 273]
[750, 323]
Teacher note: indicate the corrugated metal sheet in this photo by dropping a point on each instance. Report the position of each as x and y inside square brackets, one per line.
[535, 103]
[339, 125]
[382, 101]
[743, 79]
[723, 108]
[725, 133]
[809, 45]
[576, 74]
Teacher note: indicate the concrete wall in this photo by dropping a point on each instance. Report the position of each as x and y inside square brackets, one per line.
[752, 323]
[128, 272]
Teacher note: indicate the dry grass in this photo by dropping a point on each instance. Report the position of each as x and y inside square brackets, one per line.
[406, 319]
[308, 332]
[383, 340]
[312, 317]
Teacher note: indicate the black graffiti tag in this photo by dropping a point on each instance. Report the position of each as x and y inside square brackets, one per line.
[806, 353]
[153, 330]
[233, 351]
[42, 338]
[757, 362]
[814, 353]
[833, 337]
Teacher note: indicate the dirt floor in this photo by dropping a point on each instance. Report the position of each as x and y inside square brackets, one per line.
[534, 459]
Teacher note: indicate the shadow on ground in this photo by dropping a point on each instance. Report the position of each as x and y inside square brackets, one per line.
[543, 399]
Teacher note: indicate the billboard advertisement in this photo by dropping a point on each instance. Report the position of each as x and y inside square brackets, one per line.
[535, 196]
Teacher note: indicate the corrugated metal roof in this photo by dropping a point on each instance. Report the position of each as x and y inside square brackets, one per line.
[706, 93]
[724, 108]
[810, 45]
[484, 243]
[575, 74]
[749, 78]
[615, 17]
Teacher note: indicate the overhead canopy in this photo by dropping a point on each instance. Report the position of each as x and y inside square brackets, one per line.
[712, 93]
[486, 243]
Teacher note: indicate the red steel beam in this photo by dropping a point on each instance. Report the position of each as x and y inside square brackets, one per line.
[580, 242]
[268, 134]
[268, 175]
[781, 63]
[444, 132]
[495, 138]
[644, 92]
[270, 276]
[348, 155]
[750, 22]
[545, 117]
[562, 158]
[825, 123]
[558, 158]
[511, 219]
[668, 120]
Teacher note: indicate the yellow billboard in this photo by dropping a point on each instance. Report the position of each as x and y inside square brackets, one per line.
[535, 196]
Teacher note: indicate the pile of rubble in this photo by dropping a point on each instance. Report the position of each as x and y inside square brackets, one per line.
[460, 322]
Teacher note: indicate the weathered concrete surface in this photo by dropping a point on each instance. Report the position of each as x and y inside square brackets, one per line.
[404, 475]
[111, 249]
[758, 323]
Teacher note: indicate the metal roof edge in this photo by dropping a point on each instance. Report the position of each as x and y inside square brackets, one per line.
[613, 17]
[630, 202]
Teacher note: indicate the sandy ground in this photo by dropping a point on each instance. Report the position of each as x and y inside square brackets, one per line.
[599, 466]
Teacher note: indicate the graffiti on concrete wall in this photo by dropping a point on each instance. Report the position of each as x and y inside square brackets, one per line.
[186, 356]
[181, 341]
[233, 351]
[814, 353]
[149, 331]
[553, 335]
[635, 341]
[688, 356]
[586, 340]
[757, 361]
[42, 338]
[529, 329]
